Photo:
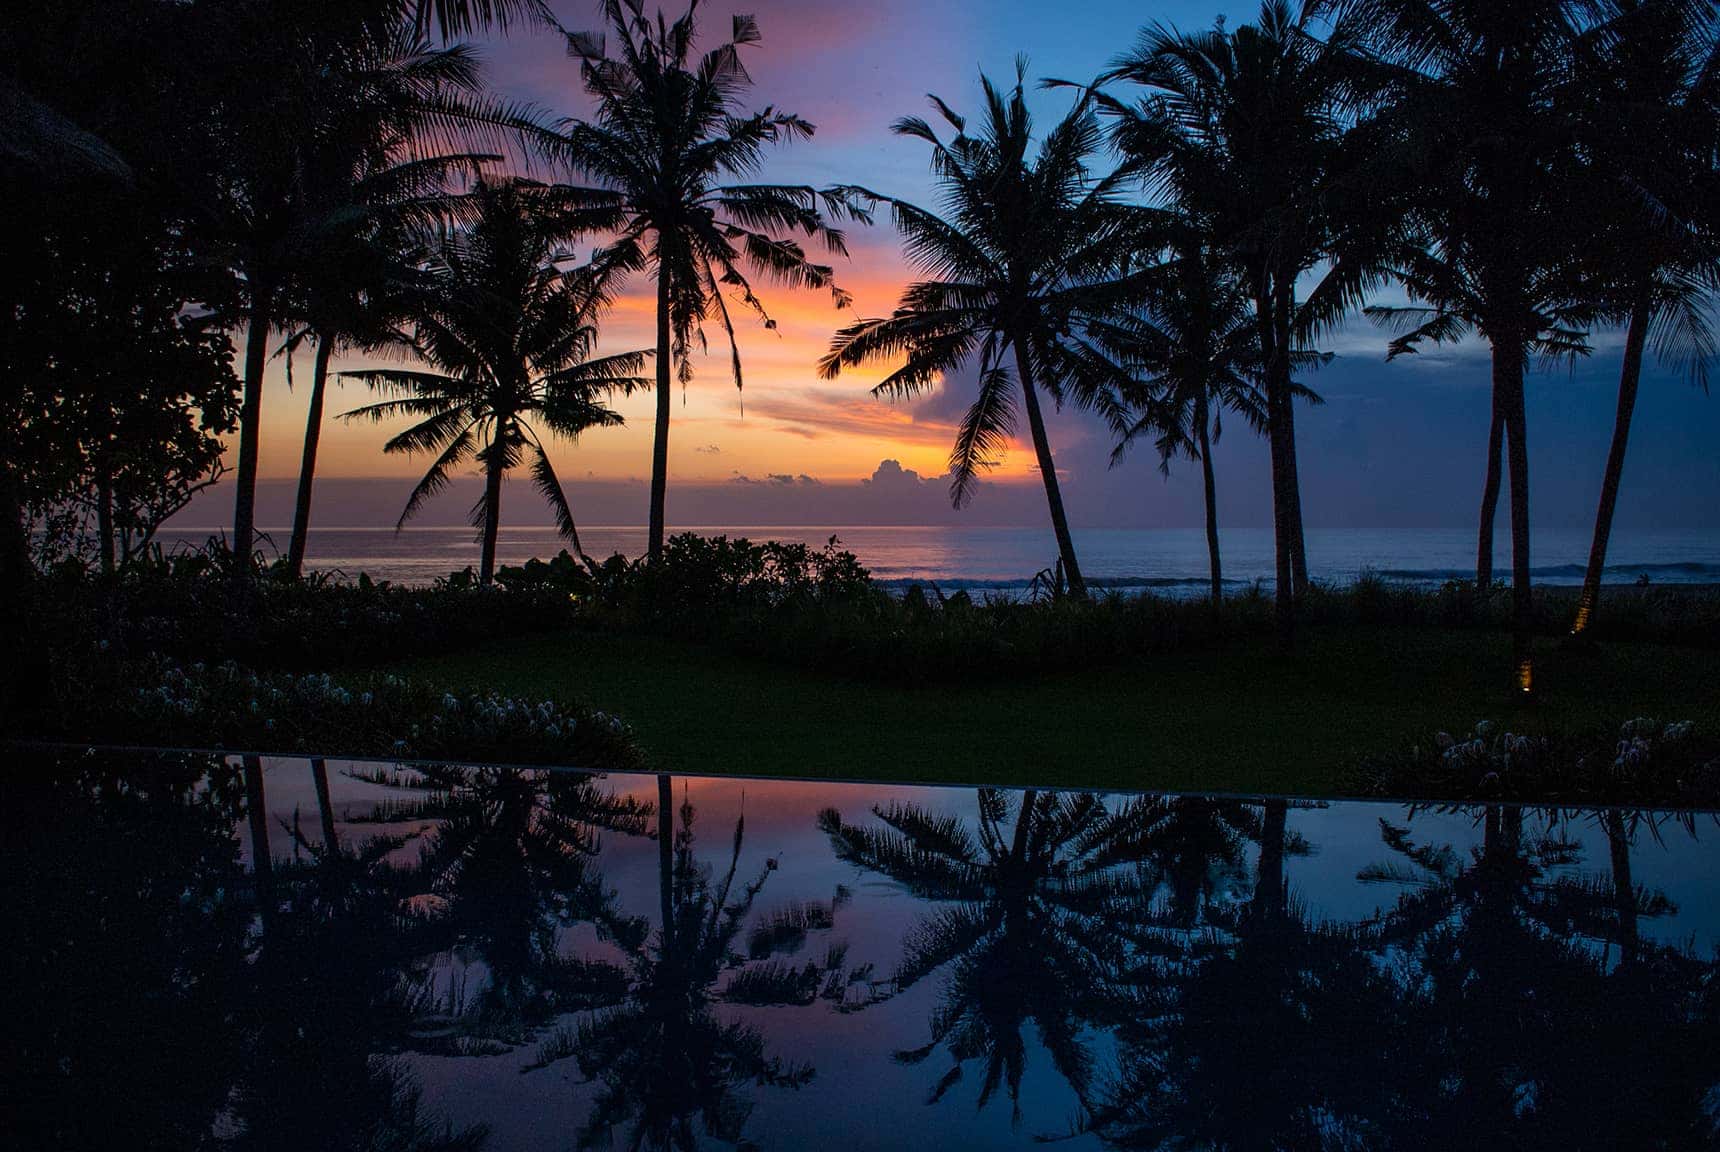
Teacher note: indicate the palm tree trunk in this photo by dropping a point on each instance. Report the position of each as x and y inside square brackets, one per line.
[1508, 383]
[325, 808]
[492, 505]
[666, 857]
[660, 440]
[1283, 576]
[250, 415]
[1285, 319]
[1048, 472]
[1635, 337]
[1490, 498]
[1201, 422]
[308, 462]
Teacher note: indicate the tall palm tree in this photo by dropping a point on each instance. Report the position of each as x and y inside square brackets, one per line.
[1245, 130]
[1478, 128]
[671, 150]
[508, 335]
[379, 173]
[284, 78]
[1028, 250]
[1649, 90]
[1195, 351]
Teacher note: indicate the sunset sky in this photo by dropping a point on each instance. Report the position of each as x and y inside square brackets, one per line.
[1395, 446]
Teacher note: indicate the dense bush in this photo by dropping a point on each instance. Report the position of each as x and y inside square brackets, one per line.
[786, 602]
[188, 608]
[1645, 762]
[161, 703]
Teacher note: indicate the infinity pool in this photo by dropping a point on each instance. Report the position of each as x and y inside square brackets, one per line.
[204, 951]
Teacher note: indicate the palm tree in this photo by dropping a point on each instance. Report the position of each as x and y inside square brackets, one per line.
[509, 337]
[376, 177]
[283, 81]
[1245, 131]
[665, 141]
[1027, 253]
[1195, 351]
[1476, 126]
[1650, 90]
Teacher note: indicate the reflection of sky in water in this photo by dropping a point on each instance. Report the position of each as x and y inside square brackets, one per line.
[860, 1095]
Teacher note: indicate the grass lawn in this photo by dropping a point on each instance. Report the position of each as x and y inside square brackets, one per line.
[1239, 719]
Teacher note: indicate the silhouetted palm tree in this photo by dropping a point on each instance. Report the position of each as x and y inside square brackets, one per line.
[1478, 129]
[671, 151]
[1245, 131]
[1195, 349]
[1028, 248]
[1034, 926]
[286, 79]
[1649, 90]
[510, 334]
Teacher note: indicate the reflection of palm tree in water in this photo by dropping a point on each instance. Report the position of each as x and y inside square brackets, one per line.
[510, 861]
[1254, 1029]
[1035, 927]
[669, 1067]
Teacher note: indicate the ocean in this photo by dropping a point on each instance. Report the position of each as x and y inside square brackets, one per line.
[1166, 561]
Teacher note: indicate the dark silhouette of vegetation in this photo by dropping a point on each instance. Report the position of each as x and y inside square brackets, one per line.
[1020, 259]
[510, 335]
[672, 155]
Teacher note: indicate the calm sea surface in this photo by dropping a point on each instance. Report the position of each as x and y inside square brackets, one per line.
[456, 957]
[1007, 558]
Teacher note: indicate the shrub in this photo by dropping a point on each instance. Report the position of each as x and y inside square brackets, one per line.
[224, 706]
[1646, 762]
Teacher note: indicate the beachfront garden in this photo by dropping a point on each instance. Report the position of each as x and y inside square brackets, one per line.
[772, 659]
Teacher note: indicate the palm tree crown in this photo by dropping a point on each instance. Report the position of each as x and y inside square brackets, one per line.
[509, 335]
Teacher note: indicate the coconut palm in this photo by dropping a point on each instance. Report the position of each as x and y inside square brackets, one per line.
[1195, 352]
[283, 80]
[1029, 248]
[670, 148]
[375, 178]
[1492, 252]
[509, 335]
[1649, 90]
[1477, 126]
[1245, 131]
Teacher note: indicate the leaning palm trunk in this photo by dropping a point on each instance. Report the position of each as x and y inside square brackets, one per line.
[250, 413]
[494, 457]
[308, 463]
[1489, 499]
[660, 439]
[1636, 337]
[1201, 421]
[1508, 386]
[1048, 472]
